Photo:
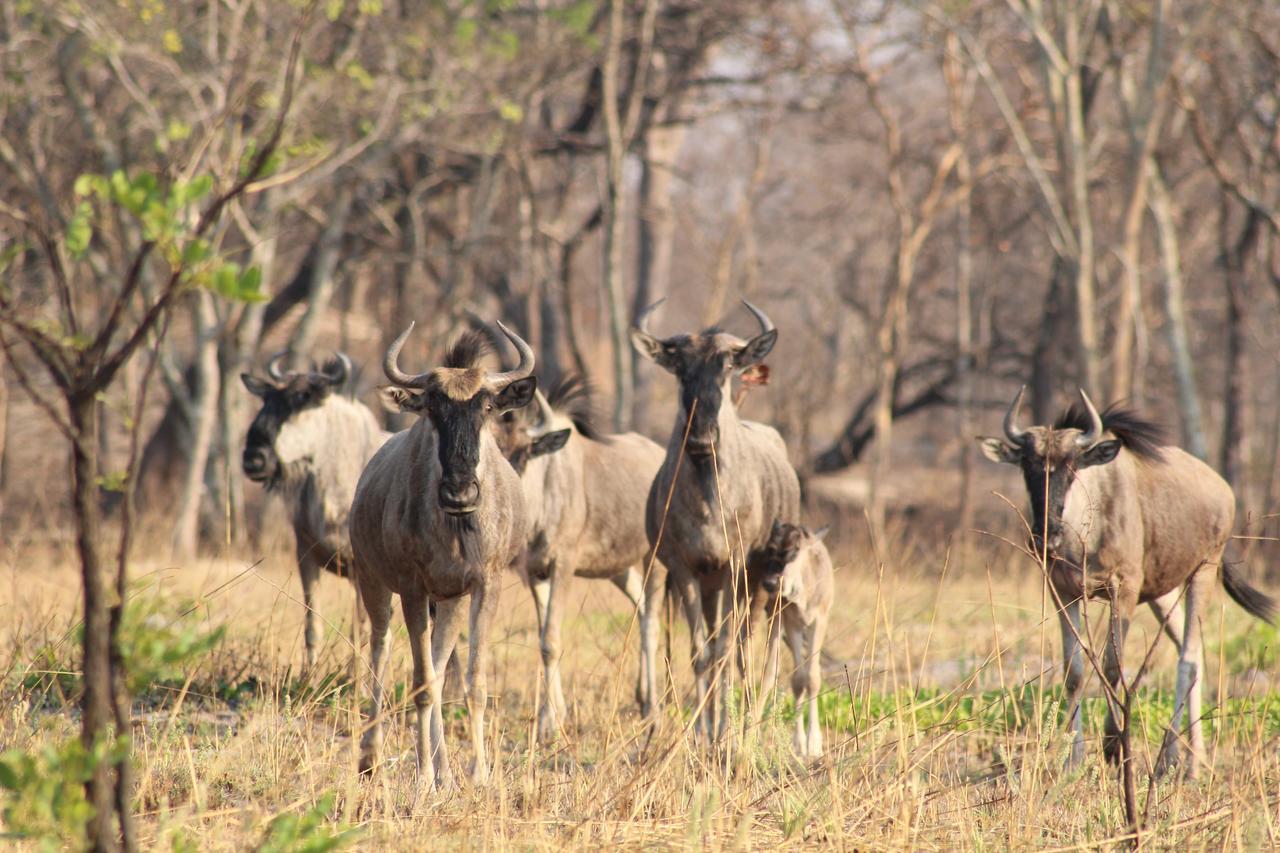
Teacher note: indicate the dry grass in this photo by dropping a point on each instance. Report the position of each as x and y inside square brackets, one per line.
[930, 743]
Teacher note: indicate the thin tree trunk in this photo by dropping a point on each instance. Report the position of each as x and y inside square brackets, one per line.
[615, 222]
[1179, 344]
[1047, 354]
[323, 280]
[96, 711]
[656, 241]
[1235, 252]
[1086, 318]
[204, 404]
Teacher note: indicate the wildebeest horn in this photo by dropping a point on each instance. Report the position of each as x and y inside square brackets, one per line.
[391, 363]
[766, 325]
[1011, 430]
[545, 414]
[273, 365]
[521, 370]
[337, 369]
[642, 319]
[1091, 437]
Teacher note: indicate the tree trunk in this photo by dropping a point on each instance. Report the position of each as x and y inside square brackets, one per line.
[1179, 344]
[204, 406]
[1086, 318]
[615, 222]
[1048, 353]
[656, 241]
[96, 710]
[1232, 460]
[323, 281]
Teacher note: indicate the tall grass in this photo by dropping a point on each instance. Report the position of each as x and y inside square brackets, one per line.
[941, 711]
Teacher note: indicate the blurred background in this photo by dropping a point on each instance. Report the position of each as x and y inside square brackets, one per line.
[935, 202]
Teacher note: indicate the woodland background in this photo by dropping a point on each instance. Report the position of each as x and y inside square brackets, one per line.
[935, 202]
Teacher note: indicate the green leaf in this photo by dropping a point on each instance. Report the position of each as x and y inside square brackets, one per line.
[80, 230]
[195, 252]
[11, 252]
[333, 9]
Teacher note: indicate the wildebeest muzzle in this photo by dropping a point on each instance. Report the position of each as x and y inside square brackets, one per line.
[259, 463]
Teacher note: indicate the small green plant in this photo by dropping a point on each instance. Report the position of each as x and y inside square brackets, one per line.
[44, 799]
[159, 647]
[309, 832]
[1257, 648]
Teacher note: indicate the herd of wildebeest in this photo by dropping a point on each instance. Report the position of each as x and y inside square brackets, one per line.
[494, 474]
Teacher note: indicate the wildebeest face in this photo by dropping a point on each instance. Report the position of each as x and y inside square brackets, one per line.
[1050, 460]
[285, 400]
[703, 365]
[462, 400]
[779, 570]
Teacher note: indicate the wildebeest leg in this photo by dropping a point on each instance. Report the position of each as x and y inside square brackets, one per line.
[1073, 675]
[813, 636]
[445, 628]
[716, 611]
[484, 604]
[377, 603]
[1124, 602]
[1169, 612]
[309, 572]
[549, 595]
[699, 648]
[773, 647]
[1190, 674]
[424, 695]
[647, 603]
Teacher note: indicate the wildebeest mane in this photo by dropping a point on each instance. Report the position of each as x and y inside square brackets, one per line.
[467, 351]
[1139, 434]
[574, 396]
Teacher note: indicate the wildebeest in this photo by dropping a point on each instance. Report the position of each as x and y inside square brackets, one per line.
[723, 483]
[584, 495]
[438, 515]
[796, 572]
[1120, 515]
[309, 444]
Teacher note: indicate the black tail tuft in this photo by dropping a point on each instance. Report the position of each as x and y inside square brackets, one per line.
[1257, 602]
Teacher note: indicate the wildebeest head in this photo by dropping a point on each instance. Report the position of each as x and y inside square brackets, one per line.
[278, 436]
[703, 364]
[460, 397]
[1051, 456]
[535, 431]
[786, 541]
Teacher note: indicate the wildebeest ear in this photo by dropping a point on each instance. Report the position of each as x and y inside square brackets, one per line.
[821, 532]
[655, 349]
[999, 450]
[754, 350]
[551, 442]
[1100, 454]
[517, 395]
[255, 386]
[397, 399]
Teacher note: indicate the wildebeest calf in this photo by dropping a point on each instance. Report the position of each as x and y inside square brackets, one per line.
[796, 573]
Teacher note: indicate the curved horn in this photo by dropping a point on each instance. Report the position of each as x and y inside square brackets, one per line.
[337, 369]
[642, 319]
[1011, 430]
[1091, 437]
[273, 365]
[521, 370]
[391, 363]
[545, 415]
[766, 325]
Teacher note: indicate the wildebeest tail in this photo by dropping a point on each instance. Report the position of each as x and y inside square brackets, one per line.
[1254, 600]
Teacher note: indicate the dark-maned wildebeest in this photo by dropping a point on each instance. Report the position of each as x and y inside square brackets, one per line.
[309, 444]
[584, 497]
[796, 573]
[1120, 515]
[726, 485]
[438, 515]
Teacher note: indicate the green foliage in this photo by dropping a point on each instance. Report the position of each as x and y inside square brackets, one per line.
[158, 648]
[44, 798]
[309, 832]
[166, 214]
[1257, 648]
[1025, 708]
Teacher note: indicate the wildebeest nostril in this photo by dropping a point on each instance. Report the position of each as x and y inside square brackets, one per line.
[459, 497]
